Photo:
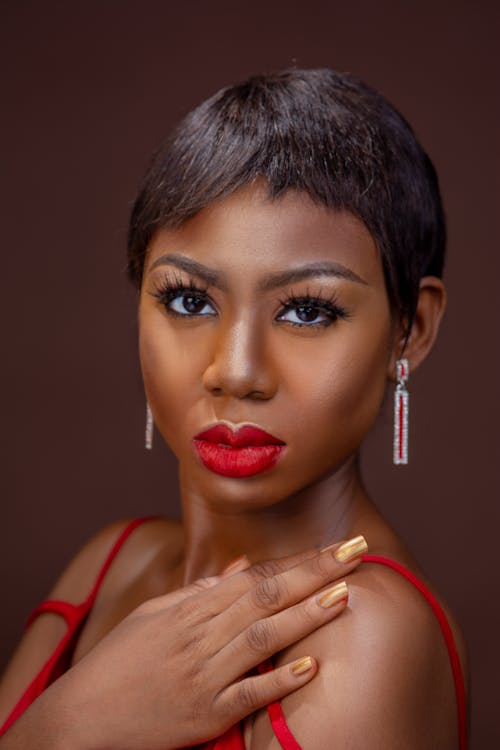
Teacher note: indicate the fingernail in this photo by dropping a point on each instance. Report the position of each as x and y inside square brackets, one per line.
[238, 564]
[333, 595]
[351, 549]
[301, 665]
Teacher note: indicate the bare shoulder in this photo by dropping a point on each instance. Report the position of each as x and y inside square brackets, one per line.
[147, 541]
[384, 677]
[141, 570]
[76, 580]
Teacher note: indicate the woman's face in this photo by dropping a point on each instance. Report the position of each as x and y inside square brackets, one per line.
[239, 351]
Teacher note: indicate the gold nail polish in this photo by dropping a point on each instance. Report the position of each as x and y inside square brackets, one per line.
[301, 665]
[351, 549]
[333, 595]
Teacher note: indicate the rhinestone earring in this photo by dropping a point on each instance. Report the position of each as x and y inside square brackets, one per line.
[401, 398]
[149, 427]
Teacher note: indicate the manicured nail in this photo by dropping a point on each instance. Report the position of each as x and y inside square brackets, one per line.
[301, 665]
[335, 594]
[238, 564]
[351, 549]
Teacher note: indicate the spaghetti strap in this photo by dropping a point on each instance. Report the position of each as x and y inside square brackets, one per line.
[114, 551]
[70, 612]
[456, 667]
[73, 612]
[74, 615]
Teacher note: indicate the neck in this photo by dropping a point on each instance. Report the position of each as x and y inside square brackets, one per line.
[333, 508]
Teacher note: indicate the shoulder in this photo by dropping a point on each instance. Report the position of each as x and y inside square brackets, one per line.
[74, 585]
[142, 569]
[77, 579]
[384, 672]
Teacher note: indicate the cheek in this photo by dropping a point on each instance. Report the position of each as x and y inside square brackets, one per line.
[166, 365]
[339, 397]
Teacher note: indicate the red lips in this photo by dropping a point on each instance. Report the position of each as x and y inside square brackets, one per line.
[239, 454]
[221, 433]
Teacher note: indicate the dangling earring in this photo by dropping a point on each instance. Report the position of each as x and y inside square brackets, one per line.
[149, 427]
[401, 397]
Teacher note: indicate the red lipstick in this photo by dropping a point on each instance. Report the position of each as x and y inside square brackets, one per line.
[240, 453]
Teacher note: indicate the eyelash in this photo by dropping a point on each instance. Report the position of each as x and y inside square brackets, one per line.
[166, 291]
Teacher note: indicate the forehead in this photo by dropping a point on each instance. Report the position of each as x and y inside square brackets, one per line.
[249, 233]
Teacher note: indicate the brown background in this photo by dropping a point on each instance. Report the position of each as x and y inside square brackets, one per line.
[88, 90]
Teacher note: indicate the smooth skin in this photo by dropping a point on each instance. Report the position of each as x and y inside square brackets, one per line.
[381, 676]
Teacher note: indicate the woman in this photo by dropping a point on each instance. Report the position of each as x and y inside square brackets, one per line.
[287, 245]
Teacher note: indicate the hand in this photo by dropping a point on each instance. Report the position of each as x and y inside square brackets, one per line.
[174, 672]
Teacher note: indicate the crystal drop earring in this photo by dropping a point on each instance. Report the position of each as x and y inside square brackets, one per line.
[149, 427]
[401, 399]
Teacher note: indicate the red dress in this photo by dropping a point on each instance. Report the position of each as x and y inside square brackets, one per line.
[75, 616]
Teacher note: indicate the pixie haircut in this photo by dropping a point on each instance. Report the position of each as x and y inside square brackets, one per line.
[314, 130]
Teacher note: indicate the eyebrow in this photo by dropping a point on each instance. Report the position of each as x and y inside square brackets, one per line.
[271, 281]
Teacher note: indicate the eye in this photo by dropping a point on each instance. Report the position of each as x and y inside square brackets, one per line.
[307, 309]
[191, 301]
[181, 300]
[190, 304]
[307, 314]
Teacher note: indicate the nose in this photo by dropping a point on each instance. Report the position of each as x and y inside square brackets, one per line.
[240, 365]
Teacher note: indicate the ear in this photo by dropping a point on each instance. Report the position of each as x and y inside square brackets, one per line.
[430, 309]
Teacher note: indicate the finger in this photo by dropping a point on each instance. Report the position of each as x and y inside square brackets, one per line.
[201, 584]
[261, 569]
[250, 694]
[226, 595]
[267, 636]
[165, 601]
[231, 586]
[237, 565]
[278, 592]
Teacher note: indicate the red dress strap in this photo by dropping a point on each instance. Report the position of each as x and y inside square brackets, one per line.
[275, 711]
[456, 667]
[277, 717]
[70, 612]
[231, 740]
[74, 615]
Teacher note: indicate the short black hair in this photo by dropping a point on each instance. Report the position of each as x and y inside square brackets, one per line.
[315, 130]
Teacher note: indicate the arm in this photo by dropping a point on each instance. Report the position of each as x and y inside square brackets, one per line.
[384, 678]
[43, 635]
[43, 725]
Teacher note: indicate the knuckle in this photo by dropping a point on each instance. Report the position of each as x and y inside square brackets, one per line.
[247, 695]
[264, 569]
[279, 681]
[197, 643]
[183, 611]
[308, 614]
[260, 637]
[190, 644]
[225, 705]
[319, 567]
[202, 584]
[144, 608]
[153, 606]
[180, 611]
[269, 593]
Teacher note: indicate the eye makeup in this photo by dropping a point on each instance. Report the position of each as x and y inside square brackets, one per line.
[167, 290]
